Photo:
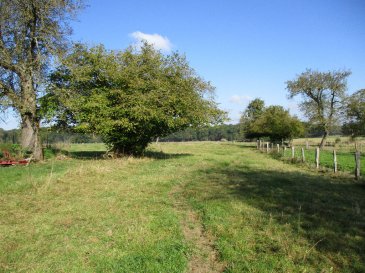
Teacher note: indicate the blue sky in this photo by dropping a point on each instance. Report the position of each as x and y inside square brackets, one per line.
[247, 49]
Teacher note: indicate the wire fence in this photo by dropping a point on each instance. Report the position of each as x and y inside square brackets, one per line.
[345, 158]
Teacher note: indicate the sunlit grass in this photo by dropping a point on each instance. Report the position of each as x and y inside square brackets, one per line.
[99, 216]
[87, 215]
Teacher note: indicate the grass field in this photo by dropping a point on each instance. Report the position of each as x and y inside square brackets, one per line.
[342, 143]
[187, 207]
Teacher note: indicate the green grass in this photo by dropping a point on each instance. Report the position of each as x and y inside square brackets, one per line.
[98, 216]
[87, 215]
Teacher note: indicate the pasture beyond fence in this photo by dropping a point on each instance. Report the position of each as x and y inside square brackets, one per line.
[349, 159]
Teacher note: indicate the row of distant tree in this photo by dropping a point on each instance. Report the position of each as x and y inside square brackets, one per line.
[227, 132]
[49, 137]
[224, 132]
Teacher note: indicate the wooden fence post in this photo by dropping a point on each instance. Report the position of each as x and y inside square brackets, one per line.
[357, 162]
[303, 155]
[267, 147]
[284, 149]
[317, 158]
[334, 161]
[292, 152]
[278, 147]
[258, 144]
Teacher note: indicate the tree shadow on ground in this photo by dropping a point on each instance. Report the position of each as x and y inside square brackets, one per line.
[86, 154]
[162, 155]
[328, 212]
[99, 155]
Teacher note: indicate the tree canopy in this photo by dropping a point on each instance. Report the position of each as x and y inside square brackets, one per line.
[322, 96]
[131, 97]
[253, 110]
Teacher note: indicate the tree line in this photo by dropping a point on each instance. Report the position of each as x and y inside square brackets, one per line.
[49, 137]
[224, 132]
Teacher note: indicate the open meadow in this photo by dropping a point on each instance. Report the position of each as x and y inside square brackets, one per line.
[182, 207]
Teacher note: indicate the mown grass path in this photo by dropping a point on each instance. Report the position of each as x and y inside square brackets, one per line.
[204, 257]
[195, 206]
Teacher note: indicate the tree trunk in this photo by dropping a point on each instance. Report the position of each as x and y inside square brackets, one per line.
[325, 134]
[30, 138]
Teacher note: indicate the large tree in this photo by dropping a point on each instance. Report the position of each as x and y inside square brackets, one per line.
[323, 94]
[31, 33]
[130, 97]
[355, 113]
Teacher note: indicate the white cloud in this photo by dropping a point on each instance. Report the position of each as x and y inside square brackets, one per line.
[159, 42]
[239, 99]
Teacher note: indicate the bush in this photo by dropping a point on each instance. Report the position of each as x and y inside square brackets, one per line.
[15, 151]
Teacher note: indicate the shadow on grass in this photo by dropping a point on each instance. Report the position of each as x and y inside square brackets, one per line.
[87, 154]
[244, 145]
[99, 155]
[162, 155]
[329, 213]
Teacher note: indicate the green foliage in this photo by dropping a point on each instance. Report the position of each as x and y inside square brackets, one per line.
[15, 151]
[254, 109]
[355, 111]
[273, 122]
[129, 98]
[252, 112]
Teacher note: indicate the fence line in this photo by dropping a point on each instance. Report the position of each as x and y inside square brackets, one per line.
[269, 148]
